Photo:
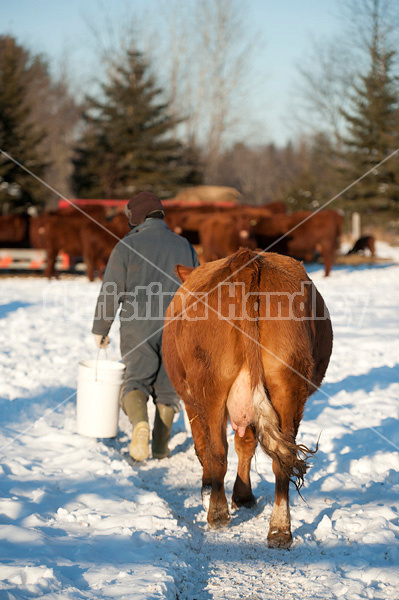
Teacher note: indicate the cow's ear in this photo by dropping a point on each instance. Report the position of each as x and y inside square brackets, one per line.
[183, 272]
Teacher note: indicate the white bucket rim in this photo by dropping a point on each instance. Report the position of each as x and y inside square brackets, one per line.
[102, 365]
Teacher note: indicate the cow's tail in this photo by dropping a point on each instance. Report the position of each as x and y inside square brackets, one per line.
[291, 457]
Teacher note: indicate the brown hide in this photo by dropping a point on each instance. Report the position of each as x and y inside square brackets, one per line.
[98, 242]
[222, 230]
[222, 235]
[219, 230]
[14, 230]
[254, 353]
[276, 207]
[301, 235]
[63, 232]
[181, 219]
[96, 211]
[37, 231]
[367, 242]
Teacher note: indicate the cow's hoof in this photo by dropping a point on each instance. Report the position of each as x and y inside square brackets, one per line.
[206, 491]
[279, 538]
[248, 502]
[218, 519]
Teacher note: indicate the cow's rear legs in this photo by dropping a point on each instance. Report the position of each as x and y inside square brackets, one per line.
[200, 450]
[280, 535]
[218, 513]
[328, 259]
[245, 448]
[288, 401]
[210, 440]
[50, 264]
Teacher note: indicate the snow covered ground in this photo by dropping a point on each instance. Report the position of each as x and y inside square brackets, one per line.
[78, 521]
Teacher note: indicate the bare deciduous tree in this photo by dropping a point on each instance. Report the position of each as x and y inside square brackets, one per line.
[201, 53]
[327, 74]
[57, 110]
[208, 53]
[323, 89]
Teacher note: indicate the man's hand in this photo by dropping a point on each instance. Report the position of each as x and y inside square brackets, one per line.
[102, 341]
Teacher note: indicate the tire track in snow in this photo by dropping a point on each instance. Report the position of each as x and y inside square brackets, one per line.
[233, 562]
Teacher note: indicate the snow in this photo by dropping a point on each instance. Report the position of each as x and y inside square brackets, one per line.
[78, 521]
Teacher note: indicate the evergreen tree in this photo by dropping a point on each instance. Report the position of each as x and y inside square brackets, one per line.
[373, 131]
[19, 137]
[127, 144]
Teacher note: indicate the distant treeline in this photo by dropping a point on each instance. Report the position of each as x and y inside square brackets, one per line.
[134, 135]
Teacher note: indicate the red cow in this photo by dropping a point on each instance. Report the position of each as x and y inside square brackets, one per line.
[186, 220]
[276, 207]
[222, 235]
[62, 231]
[14, 231]
[36, 230]
[301, 235]
[253, 353]
[98, 242]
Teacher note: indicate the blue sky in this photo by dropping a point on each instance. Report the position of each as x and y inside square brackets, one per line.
[59, 27]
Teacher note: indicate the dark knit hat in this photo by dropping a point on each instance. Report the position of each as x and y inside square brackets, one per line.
[141, 205]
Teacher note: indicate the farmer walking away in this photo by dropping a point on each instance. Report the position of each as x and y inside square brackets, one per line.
[140, 279]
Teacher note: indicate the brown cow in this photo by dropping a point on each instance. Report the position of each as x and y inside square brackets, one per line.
[253, 353]
[222, 235]
[301, 235]
[14, 230]
[62, 231]
[367, 242]
[176, 217]
[219, 230]
[98, 242]
[37, 231]
[36, 224]
[276, 207]
[189, 223]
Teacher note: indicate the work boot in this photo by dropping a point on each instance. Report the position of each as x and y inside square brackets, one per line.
[135, 405]
[162, 430]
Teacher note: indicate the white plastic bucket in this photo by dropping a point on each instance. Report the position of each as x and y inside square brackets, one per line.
[97, 404]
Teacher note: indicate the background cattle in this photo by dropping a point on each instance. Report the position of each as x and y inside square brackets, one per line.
[301, 235]
[217, 229]
[62, 232]
[221, 230]
[367, 242]
[253, 354]
[219, 237]
[98, 243]
[14, 230]
[36, 231]
[222, 235]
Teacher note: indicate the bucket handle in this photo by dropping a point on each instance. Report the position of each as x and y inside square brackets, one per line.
[98, 356]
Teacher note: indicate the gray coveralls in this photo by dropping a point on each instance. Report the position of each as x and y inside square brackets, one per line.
[140, 279]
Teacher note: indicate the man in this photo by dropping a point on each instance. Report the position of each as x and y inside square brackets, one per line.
[140, 279]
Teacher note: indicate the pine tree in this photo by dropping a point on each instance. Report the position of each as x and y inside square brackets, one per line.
[19, 137]
[373, 131]
[127, 145]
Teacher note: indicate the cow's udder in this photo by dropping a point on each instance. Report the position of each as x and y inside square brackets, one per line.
[239, 402]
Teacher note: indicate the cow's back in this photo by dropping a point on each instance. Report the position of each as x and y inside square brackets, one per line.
[203, 306]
